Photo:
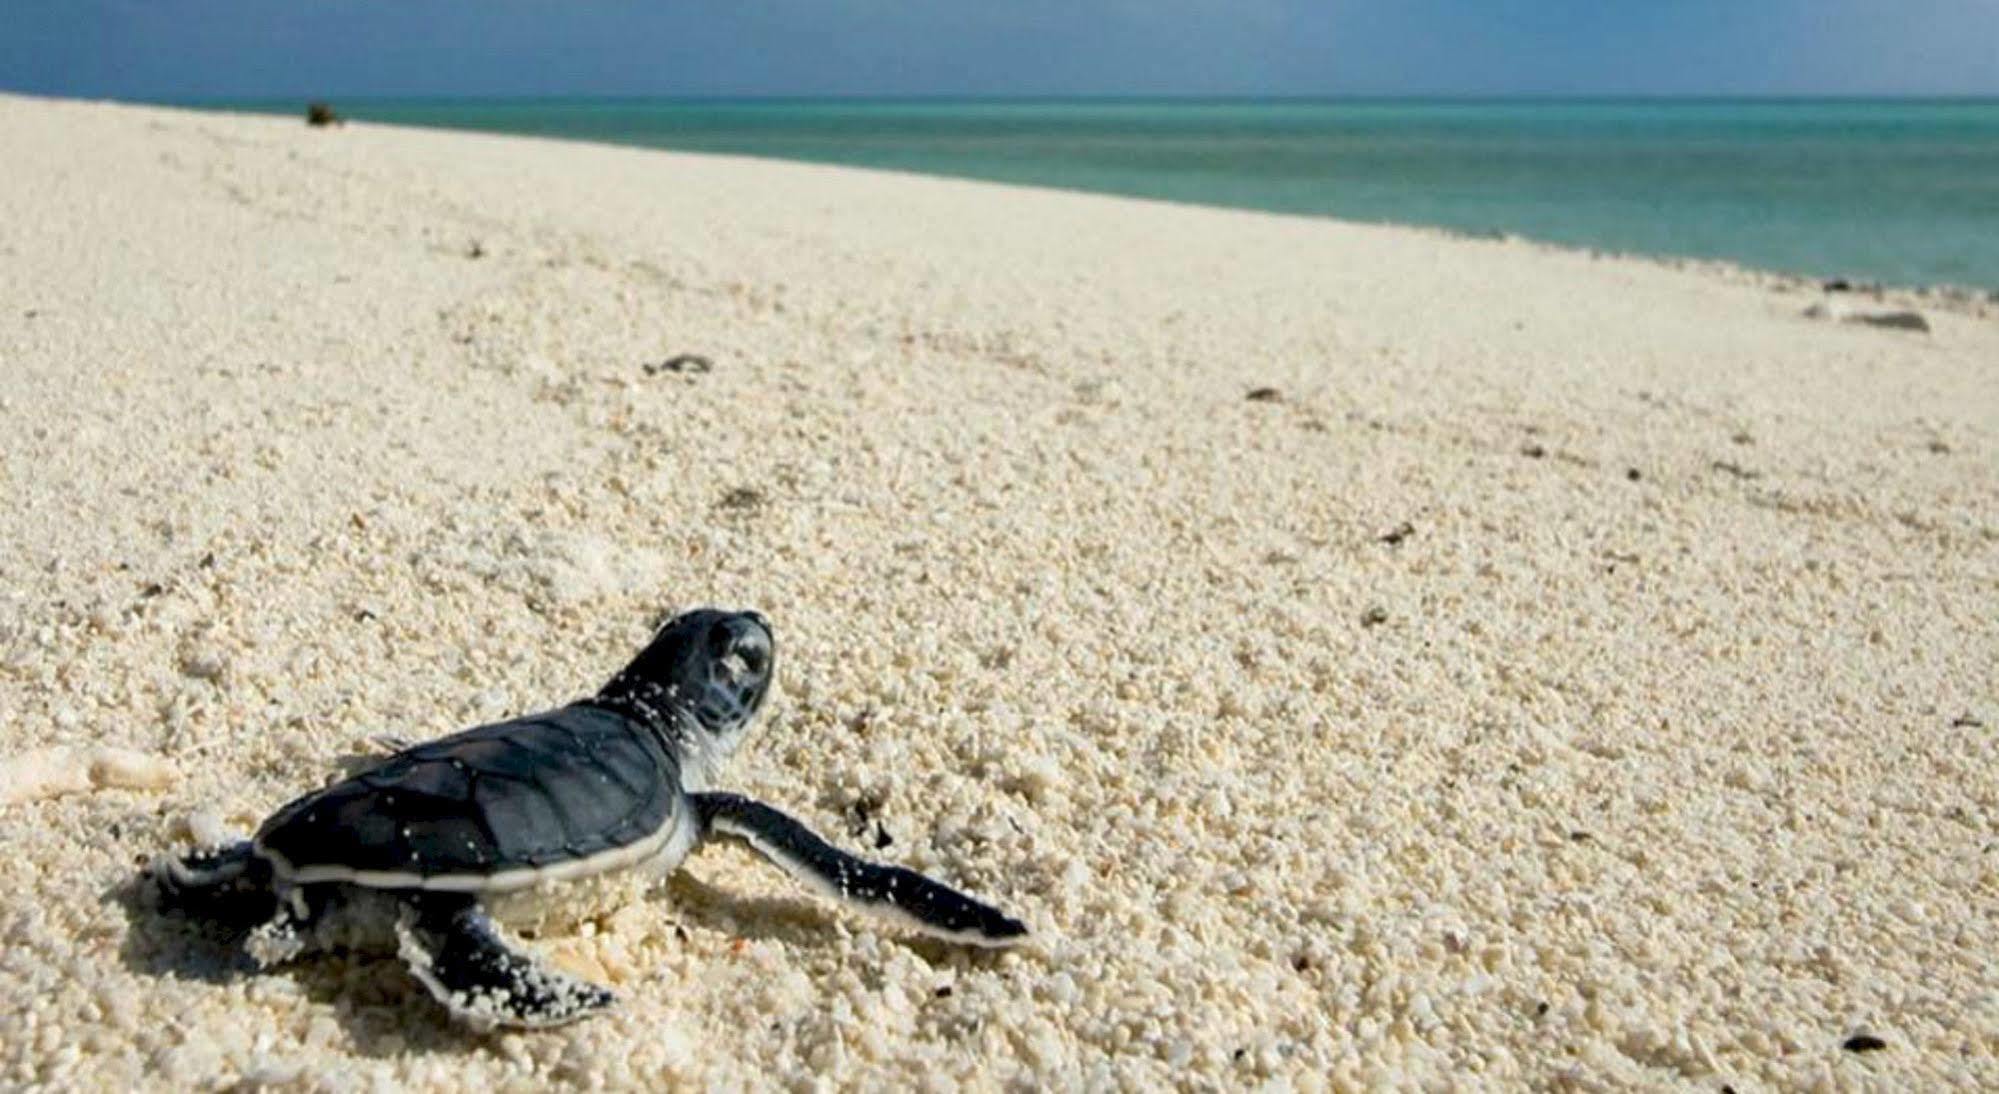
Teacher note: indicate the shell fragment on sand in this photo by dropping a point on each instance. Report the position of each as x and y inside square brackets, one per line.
[52, 772]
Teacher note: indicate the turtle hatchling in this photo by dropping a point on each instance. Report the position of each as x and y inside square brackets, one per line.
[416, 848]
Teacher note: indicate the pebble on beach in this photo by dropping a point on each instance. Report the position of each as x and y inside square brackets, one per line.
[50, 772]
[1834, 309]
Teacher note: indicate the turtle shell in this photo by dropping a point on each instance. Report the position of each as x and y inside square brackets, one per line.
[570, 792]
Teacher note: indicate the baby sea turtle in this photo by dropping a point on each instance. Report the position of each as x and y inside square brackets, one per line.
[417, 845]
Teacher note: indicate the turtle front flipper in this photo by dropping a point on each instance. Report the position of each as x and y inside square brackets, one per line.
[905, 895]
[454, 949]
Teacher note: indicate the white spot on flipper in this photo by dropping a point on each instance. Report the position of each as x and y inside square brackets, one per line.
[275, 942]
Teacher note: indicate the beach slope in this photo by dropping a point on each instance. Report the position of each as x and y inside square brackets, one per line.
[1361, 654]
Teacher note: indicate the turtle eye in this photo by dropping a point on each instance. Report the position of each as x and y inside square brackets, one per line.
[738, 652]
[746, 660]
[752, 653]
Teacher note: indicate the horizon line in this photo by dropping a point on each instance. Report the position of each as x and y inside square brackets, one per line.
[1106, 97]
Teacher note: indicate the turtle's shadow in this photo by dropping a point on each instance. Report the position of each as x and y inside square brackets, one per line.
[802, 921]
[165, 946]
[794, 920]
[383, 1010]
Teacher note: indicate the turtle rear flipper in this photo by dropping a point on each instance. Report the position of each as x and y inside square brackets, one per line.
[227, 885]
[453, 948]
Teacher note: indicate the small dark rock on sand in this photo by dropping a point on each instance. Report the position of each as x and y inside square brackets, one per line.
[1864, 1042]
[1398, 533]
[1374, 617]
[685, 362]
[1265, 395]
[322, 114]
[1894, 320]
[742, 499]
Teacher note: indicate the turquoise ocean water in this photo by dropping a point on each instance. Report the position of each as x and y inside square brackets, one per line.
[1901, 192]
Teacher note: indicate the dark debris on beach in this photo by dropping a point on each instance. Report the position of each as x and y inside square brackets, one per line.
[692, 363]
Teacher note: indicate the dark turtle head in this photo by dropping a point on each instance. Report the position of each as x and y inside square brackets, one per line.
[701, 679]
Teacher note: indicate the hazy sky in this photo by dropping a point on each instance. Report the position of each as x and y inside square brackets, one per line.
[334, 48]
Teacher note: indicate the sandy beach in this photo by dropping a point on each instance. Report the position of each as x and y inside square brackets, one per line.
[1365, 657]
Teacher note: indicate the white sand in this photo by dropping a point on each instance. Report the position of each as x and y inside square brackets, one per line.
[1681, 779]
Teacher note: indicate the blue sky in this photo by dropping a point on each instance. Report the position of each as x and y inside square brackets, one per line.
[168, 49]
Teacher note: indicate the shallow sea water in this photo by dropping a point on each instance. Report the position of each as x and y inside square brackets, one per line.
[1903, 192]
